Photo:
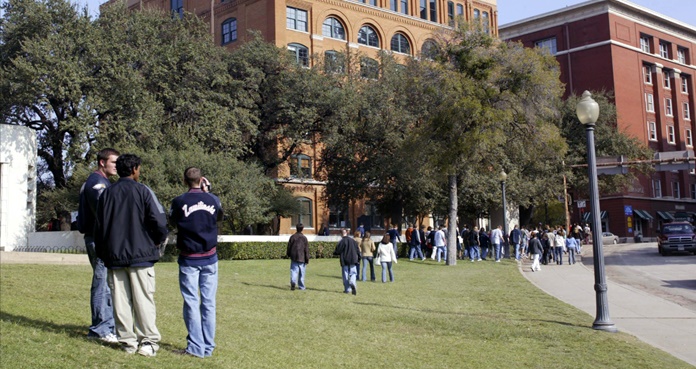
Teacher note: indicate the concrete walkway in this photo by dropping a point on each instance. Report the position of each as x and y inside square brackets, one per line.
[656, 321]
[42, 258]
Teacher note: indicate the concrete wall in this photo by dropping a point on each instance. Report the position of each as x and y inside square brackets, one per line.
[17, 185]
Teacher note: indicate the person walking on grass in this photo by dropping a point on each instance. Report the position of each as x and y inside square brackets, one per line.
[440, 243]
[130, 226]
[497, 240]
[474, 250]
[415, 246]
[195, 214]
[349, 253]
[386, 258]
[298, 252]
[102, 326]
[535, 250]
[367, 249]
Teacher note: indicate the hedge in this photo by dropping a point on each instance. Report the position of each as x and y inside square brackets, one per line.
[266, 250]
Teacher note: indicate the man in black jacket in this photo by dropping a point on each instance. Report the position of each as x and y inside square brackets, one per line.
[349, 253]
[298, 252]
[130, 225]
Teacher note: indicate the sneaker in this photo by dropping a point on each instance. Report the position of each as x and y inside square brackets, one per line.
[129, 349]
[532, 269]
[497, 261]
[185, 353]
[109, 338]
[479, 259]
[472, 260]
[355, 290]
[292, 286]
[146, 349]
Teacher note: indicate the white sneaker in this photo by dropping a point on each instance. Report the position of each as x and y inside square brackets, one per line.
[129, 349]
[109, 338]
[146, 349]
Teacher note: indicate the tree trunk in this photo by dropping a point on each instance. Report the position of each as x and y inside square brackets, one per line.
[452, 224]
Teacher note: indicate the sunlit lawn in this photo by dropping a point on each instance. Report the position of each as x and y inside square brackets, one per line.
[474, 315]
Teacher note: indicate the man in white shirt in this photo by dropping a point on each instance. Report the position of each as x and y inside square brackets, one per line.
[440, 242]
[496, 240]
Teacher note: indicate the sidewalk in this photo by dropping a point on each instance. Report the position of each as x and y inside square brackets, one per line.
[653, 320]
[42, 258]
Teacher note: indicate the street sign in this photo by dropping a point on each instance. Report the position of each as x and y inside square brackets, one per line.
[581, 204]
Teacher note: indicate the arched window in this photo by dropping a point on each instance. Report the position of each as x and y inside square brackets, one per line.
[460, 9]
[399, 43]
[229, 31]
[429, 49]
[450, 13]
[333, 28]
[369, 68]
[304, 215]
[486, 25]
[477, 15]
[368, 36]
[300, 53]
[301, 166]
[333, 62]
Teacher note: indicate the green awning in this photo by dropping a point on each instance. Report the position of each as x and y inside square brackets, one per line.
[643, 214]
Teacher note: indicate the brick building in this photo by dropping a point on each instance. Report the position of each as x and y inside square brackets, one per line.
[322, 27]
[647, 60]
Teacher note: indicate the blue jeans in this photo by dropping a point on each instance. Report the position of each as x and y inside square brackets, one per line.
[558, 255]
[350, 273]
[199, 312]
[498, 250]
[297, 273]
[484, 252]
[571, 255]
[100, 295]
[368, 260]
[474, 253]
[415, 251]
[440, 252]
[517, 251]
[387, 265]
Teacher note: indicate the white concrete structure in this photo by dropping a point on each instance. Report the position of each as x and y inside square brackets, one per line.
[17, 185]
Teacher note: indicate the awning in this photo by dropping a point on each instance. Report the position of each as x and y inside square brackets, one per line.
[587, 216]
[642, 214]
[665, 215]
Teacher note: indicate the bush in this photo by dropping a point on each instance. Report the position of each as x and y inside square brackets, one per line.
[257, 250]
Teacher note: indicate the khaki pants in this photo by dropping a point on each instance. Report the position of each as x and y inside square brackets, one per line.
[133, 293]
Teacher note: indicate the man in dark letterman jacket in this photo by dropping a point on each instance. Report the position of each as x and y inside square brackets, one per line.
[195, 214]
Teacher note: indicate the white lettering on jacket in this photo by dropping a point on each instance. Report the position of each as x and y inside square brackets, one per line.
[200, 206]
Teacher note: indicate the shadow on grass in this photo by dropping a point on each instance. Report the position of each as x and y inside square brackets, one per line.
[288, 288]
[331, 276]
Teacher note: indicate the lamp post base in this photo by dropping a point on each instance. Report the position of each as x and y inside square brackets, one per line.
[604, 326]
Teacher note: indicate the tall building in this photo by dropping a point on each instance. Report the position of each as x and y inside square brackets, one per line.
[323, 27]
[646, 60]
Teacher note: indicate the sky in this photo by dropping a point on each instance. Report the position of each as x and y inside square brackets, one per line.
[514, 10]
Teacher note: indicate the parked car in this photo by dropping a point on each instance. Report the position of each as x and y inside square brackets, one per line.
[609, 238]
[676, 236]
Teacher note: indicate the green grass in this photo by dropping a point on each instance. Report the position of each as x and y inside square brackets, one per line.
[481, 315]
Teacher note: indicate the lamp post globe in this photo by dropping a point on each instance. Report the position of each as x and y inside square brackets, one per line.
[587, 111]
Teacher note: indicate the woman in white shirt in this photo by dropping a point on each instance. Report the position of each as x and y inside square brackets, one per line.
[560, 247]
[386, 254]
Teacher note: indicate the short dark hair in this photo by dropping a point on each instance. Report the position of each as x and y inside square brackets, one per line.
[192, 175]
[299, 227]
[104, 154]
[126, 163]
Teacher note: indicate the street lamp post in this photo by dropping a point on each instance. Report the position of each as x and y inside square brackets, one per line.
[587, 111]
[503, 178]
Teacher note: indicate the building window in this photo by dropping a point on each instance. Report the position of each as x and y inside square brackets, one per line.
[681, 55]
[373, 217]
[645, 43]
[338, 217]
[177, 8]
[393, 4]
[369, 68]
[304, 216]
[693, 191]
[373, 2]
[666, 81]
[404, 6]
[368, 36]
[686, 111]
[229, 31]
[450, 13]
[668, 107]
[657, 188]
[664, 49]
[433, 11]
[684, 84]
[647, 74]
[429, 49]
[652, 131]
[301, 166]
[675, 190]
[649, 103]
[671, 138]
[333, 28]
[486, 23]
[400, 44]
[424, 9]
[460, 9]
[296, 19]
[300, 53]
[547, 44]
[333, 62]
[689, 138]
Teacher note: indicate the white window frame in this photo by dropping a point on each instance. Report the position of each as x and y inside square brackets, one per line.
[684, 85]
[686, 111]
[652, 131]
[671, 135]
[669, 111]
[688, 138]
[657, 188]
[549, 44]
[647, 74]
[296, 19]
[649, 103]
[676, 190]
[645, 43]
[666, 79]
[681, 55]
[664, 49]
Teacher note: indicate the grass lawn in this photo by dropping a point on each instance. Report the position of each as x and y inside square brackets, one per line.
[474, 315]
